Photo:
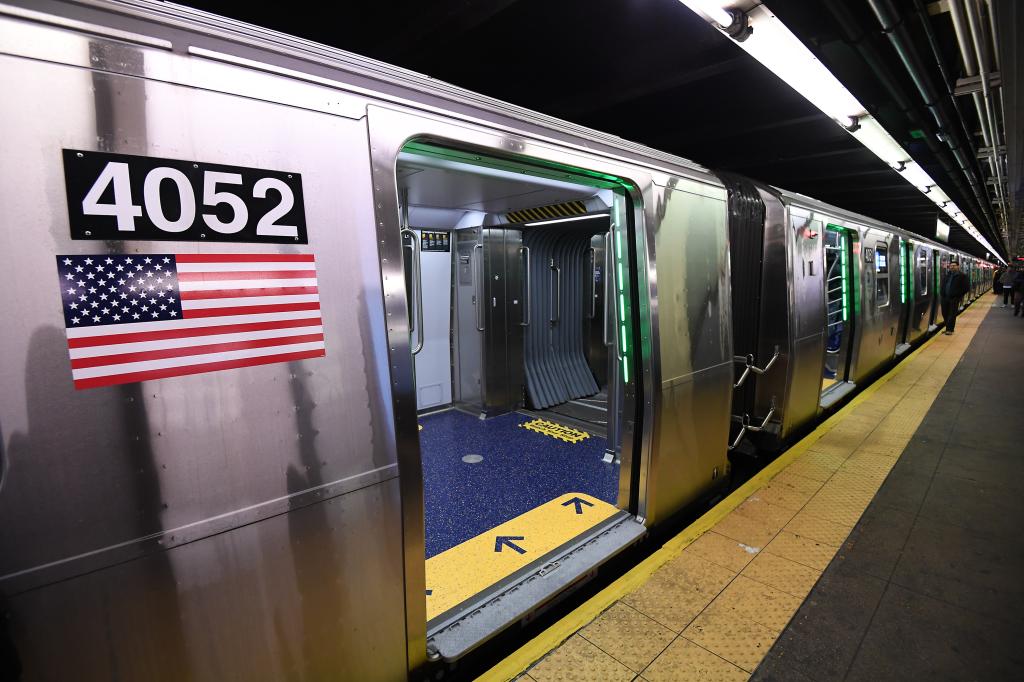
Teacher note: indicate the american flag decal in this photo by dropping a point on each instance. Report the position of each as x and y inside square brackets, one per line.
[137, 317]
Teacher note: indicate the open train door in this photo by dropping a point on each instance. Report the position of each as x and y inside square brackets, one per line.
[840, 312]
[907, 299]
[453, 192]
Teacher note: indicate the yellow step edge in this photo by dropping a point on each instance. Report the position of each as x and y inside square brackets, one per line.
[457, 574]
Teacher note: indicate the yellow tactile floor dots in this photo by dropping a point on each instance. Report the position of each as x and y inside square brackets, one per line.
[555, 430]
[710, 604]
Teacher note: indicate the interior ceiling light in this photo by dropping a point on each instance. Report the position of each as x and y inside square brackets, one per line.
[566, 220]
[761, 35]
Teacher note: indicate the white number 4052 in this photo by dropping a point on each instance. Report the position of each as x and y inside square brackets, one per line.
[117, 174]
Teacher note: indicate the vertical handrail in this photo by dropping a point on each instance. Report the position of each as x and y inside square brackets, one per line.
[609, 302]
[478, 269]
[556, 308]
[592, 289]
[417, 287]
[528, 307]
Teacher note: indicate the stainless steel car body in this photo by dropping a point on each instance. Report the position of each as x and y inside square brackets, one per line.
[792, 314]
[237, 525]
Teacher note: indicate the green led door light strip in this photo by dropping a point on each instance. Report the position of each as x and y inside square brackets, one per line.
[904, 264]
[620, 288]
[845, 275]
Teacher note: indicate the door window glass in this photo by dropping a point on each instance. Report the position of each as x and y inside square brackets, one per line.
[881, 274]
[922, 271]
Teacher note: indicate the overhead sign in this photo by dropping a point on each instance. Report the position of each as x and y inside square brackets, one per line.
[117, 197]
[138, 317]
[941, 231]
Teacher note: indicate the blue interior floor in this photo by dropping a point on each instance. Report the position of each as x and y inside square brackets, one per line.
[520, 470]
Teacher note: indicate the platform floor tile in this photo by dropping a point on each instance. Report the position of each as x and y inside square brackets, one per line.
[577, 660]
[710, 604]
[629, 636]
[684, 661]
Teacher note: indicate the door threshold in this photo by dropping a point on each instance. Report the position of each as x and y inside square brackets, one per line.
[835, 393]
[531, 590]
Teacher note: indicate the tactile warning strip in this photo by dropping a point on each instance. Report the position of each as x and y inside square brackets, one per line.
[710, 603]
[555, 430]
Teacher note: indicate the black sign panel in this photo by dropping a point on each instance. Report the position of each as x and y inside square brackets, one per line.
[434, 241]
[121, 197]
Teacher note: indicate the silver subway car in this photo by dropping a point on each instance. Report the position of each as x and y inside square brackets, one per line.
[226, 302]
[830, 298]
[268, 303]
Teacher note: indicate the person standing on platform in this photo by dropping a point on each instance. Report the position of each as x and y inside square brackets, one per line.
[997, 281]
[954, 287]
[1017, 280]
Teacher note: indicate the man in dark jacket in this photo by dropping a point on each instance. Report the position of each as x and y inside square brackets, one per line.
[954, 286]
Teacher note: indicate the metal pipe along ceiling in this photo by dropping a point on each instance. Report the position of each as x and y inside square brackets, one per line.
[897, 35]
[974, 24]
[855, 36]
[971, 69]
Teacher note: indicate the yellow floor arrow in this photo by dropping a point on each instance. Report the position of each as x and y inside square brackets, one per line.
[457, 574]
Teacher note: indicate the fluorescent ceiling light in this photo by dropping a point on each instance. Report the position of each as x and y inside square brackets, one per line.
[915, 175]
[772, 44]
[711, 9]
[566, 220]
[782, 53]
[872, 135]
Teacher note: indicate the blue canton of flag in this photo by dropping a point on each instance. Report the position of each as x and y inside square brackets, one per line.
[118, 289]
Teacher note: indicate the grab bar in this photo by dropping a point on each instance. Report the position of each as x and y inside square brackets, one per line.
[754, 429]
[557, 291]
[478, 278]
[417, 287]
[749, 360]
[592, 289]
[528, 307]
[608, 301]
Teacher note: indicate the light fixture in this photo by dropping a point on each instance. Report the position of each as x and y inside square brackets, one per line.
[566, 220]
[711, 9]
[873, 136]
[915, 175]
[760, 34]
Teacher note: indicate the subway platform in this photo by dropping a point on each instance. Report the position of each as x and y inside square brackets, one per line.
[886, 545]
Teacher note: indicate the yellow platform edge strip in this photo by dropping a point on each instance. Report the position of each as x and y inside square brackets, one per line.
[538, 647]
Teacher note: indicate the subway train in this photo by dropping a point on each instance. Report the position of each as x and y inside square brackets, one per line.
[312, 334]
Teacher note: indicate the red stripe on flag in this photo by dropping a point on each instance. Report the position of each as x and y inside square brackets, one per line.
[244, 257]
[238, 293]
[250, 309]
[245, 274]
[111, 339]
[100, 361]
[149, 375]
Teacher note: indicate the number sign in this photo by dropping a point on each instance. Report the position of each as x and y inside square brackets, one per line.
[120, 197]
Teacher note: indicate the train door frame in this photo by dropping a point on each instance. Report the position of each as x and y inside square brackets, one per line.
[940, 259]
[390, 130]
[849, 303]
[907, 297]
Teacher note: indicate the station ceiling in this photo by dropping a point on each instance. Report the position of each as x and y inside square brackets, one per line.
[654, 72]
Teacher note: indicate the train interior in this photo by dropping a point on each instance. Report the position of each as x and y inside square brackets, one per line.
[840, 294]
[514, 337]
